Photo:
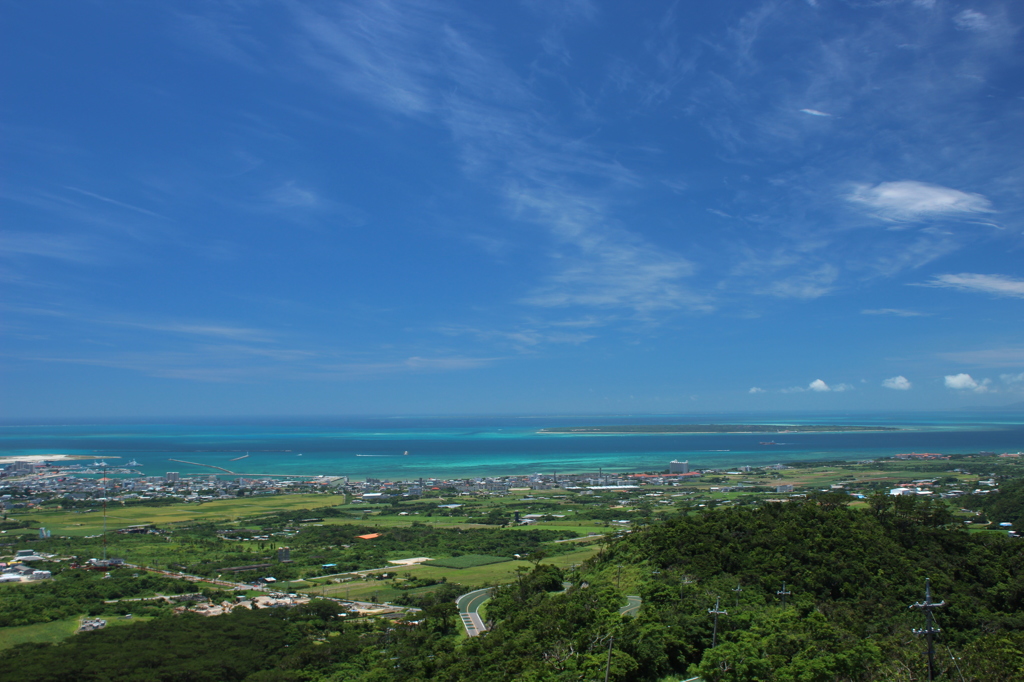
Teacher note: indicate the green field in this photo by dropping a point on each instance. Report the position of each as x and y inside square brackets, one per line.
[467, 561]
[490, 574]
[43, 633]
[56, 631]
[79, 523]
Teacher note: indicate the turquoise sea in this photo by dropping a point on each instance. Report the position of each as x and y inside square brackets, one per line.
[485, 446]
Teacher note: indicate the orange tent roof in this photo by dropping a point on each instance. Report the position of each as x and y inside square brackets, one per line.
[371, 536]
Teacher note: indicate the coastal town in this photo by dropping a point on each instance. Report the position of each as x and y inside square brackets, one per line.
[213, 544]
[30, 484]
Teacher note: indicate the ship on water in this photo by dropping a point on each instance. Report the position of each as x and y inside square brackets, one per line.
[133, 463]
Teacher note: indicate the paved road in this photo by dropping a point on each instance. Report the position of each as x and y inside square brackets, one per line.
[469, 610]
[632, 606]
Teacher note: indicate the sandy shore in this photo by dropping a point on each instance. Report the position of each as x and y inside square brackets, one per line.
[4, 459]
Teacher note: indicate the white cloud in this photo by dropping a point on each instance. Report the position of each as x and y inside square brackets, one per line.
[989, 357]
[755, 389]
[906, 200]
[965, 382]
[290, 195]
[67, 247]
[814, 112]
[427, 62]
[898, 383]
[600, 265]
[808, 285]
[819, 386]
[1012, 378]
[115, 202]
[892, 311]
[999, 285]
[970, 20]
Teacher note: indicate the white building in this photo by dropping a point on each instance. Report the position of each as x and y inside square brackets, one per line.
[676, 467]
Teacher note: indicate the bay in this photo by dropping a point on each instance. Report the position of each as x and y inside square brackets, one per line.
[457, 447]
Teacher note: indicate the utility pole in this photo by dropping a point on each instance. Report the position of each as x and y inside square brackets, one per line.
[716, 612]
[929, 631]
[104, 513]
[686, 580]
[737, 590]
[618, 576]
[782, 593]
[608, 665]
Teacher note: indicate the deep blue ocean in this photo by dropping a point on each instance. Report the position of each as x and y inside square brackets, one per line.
[483, 446]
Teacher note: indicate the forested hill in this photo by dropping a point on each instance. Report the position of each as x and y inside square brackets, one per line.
[850, 575]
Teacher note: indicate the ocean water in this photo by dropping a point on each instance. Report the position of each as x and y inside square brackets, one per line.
[486, 446]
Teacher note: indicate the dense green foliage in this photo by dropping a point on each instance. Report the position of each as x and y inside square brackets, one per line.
[75, 591]
[186, 647]
[1004, 506]
[850, 575]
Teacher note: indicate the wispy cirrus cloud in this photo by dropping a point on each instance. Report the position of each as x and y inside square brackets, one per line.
[115, 202]
[526, 337]
[897, 312]
[292, 195]
[813, 284]
[989, 357]
[414, 364]
[422, 61]
[604, 266]
[972, 20]
[909, 200]
[66, 247]
[998, 285]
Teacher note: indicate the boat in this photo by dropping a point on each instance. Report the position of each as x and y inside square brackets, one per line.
[133, 463]
[768, 442]
[405, 453]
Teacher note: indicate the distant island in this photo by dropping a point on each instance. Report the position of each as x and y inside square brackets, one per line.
[715, 428]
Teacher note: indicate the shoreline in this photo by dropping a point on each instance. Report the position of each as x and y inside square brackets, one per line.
[51, 458]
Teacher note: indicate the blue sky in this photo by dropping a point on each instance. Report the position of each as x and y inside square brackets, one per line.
[244, 208]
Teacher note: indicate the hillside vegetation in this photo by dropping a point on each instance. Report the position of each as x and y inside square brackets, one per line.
[851, 575]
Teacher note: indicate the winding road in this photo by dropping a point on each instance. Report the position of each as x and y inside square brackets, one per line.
[469, 610]
[632, 606]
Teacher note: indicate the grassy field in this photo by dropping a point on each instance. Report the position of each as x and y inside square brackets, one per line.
[468, 561]
[43, 633]
[56, 631]
[504, 572]
[77, 523]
